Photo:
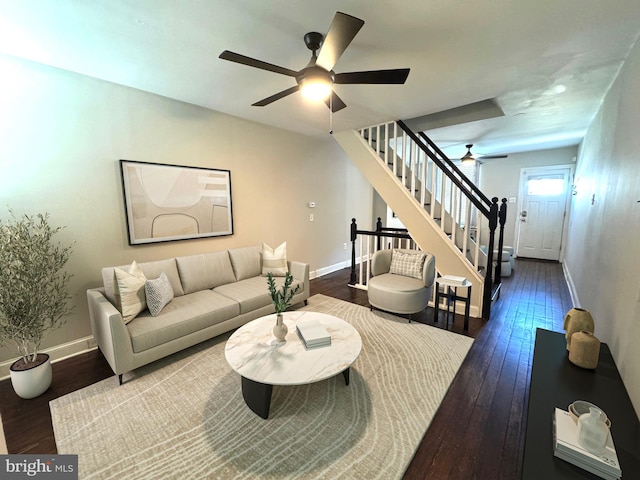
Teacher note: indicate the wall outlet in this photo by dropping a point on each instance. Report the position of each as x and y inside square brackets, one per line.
[345, 246]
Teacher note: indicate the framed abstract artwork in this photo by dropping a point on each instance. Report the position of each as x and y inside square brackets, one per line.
[170, 202]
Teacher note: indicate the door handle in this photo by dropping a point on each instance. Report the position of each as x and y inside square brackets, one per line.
[523, 216]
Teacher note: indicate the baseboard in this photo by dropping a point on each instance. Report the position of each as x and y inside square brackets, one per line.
[57, 353]
[330, 269]
[570, 285]
[474, 310]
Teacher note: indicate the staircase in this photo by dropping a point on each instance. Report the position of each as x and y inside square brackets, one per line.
[443, 211]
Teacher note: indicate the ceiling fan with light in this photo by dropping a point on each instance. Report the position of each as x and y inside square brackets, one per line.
[317, 78]
[470, 157]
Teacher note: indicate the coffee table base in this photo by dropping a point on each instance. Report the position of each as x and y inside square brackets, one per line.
[257, 395]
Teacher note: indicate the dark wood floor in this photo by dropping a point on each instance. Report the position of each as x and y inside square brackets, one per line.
[478, 431]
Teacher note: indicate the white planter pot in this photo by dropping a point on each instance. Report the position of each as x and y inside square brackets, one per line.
[33, 381]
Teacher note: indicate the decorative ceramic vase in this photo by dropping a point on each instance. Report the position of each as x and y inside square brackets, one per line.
[34, 380]
[585, 350]
[592, 431]
[280, 329]
[577, 320]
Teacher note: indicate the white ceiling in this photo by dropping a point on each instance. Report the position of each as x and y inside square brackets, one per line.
[519, 52]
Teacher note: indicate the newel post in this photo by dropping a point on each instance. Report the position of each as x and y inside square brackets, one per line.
[379, 235]
[488, 282]
[502, 218]
[354, 235]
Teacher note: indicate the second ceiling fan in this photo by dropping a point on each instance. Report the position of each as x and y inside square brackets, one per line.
[318, 76]
[470, 157]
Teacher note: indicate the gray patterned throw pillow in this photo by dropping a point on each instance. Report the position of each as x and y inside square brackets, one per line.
[408, 264]
[159, 294]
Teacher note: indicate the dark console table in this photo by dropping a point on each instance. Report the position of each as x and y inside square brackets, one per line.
[556, 382]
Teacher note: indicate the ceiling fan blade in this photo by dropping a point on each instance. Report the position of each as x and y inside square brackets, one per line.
[342, 30]
[395, 76]
[485, 157]
[334, 102]
[252, 62]
[277, 96]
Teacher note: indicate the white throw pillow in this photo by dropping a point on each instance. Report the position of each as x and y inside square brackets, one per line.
[159, 293]
[129, 291]
[407, 264]
[274, 261]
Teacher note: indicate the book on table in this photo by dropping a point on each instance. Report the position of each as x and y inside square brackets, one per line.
[566, 447]
[453, 280]
[312, 333]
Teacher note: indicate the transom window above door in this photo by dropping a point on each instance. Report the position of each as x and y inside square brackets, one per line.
[546, 186]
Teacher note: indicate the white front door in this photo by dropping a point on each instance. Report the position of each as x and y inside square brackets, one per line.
[543, 203]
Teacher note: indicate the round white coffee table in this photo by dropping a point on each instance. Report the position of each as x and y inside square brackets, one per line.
[262, 361]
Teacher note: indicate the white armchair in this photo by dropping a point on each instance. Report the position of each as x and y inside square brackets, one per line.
[399, 286]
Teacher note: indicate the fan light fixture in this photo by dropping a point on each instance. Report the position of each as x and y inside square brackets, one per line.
[316, 80]
[468, 157]
[315, 88]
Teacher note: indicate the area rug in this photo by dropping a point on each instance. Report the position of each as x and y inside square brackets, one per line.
[184, 416]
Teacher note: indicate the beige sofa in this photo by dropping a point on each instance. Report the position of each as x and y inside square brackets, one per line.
[213, 293]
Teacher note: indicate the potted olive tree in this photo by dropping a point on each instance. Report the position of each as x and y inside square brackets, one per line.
[33, 296]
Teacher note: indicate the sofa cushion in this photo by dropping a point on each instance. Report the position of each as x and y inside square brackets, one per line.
[409, 264]
[252, 293]
[246, 262]
[168, 266]
[203, 272]
[159, 293]
[274, 261]
[184, 315]
[151, 270]
[128, 291]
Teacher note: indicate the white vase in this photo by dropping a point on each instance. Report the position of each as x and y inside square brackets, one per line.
[33, 381]
[280, 329]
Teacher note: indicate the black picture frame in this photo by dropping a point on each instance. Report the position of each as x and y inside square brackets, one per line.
[166, 203]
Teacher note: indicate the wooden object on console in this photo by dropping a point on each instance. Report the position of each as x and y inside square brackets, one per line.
[556, 382]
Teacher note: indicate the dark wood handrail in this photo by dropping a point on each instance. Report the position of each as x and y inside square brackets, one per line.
[378, 233]
[489, 208]
[470, 194]
[453, 166]
[494, 213]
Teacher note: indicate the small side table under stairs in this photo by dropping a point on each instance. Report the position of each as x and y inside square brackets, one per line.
[450, 292]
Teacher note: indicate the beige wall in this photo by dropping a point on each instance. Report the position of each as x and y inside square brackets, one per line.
[62, 137]
[501, 178]
[603, 254]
